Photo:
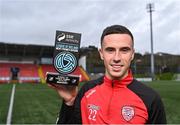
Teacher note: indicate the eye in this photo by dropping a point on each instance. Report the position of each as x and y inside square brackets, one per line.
[125, 49]
[109, 49]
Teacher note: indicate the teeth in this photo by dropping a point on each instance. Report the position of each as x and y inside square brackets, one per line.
[117, 66]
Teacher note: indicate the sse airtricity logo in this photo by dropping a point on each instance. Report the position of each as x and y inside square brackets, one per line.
[61, 37]
[65, 62]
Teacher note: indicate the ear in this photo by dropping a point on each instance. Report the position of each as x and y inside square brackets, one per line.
[101, 54]
[132, 57]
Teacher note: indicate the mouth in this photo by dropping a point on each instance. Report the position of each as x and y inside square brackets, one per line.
[117, 67]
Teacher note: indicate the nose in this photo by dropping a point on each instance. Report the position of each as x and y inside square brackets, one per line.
[117, 57]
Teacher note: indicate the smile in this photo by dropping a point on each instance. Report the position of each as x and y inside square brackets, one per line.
[117, 67]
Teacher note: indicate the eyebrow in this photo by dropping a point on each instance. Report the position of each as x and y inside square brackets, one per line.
[122, 48]
[109, 48]
[127, 48]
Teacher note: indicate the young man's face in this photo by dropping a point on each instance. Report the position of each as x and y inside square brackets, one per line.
[117, 52]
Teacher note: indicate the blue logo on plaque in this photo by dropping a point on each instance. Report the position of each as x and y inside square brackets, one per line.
[65, 62]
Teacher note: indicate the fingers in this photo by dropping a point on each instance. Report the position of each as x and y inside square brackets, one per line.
[64, 87]
[68, 93]
[54, 86]
[51, 86]
[71, 87]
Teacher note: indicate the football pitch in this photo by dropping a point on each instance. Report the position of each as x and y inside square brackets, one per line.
[38, 104]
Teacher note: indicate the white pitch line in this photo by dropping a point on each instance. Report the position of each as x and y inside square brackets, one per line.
[8, 121]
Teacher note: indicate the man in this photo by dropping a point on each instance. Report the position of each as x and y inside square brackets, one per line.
[116, 98]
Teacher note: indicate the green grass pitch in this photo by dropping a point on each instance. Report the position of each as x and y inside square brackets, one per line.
[38, 104]
[170, 93]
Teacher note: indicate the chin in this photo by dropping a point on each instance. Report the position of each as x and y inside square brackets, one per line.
[116, 75]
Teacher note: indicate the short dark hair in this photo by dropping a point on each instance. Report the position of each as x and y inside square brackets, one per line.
[116, 29]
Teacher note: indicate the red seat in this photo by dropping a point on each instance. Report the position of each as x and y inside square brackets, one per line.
[27, 72]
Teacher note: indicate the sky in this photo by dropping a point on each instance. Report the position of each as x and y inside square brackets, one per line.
[36, 21]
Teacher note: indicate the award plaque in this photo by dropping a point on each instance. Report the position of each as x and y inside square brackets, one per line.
[65, 59]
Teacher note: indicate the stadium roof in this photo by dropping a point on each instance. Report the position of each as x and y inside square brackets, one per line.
[25, 50]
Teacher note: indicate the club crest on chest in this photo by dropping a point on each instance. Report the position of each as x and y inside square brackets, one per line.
[127, 112]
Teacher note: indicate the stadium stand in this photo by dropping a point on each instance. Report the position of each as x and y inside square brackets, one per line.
[47, 68]
[29, 63]
[24, 73]
[31, 73]
[4, 74]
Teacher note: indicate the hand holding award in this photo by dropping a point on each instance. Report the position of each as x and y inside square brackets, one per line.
[65, 61]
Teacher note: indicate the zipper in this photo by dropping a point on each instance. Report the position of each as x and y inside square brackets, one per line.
[112, 83]
[111, 98]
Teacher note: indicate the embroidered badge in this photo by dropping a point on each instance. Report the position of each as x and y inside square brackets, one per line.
[127, 112]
